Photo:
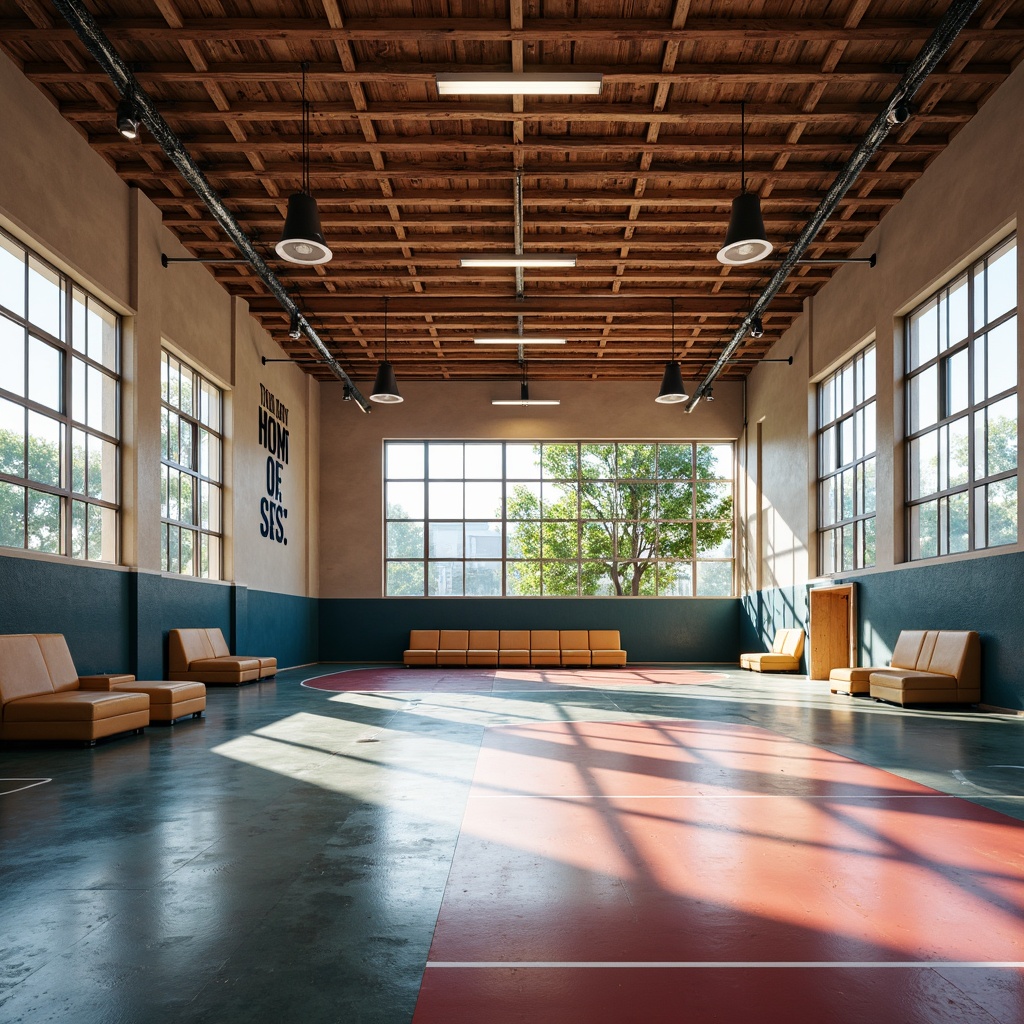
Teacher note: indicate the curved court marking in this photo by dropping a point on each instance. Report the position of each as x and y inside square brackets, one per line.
[18, 789]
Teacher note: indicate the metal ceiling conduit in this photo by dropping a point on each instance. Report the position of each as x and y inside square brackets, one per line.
[896, 111]
[97, 43]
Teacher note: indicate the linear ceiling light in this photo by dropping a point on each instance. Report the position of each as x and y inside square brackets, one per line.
[525, 399]
[527, 83]
[518, 339]
[533, 260]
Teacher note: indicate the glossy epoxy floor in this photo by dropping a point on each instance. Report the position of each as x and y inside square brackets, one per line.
[294, 856]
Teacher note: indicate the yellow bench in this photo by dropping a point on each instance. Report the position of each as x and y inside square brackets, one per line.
[947, 670]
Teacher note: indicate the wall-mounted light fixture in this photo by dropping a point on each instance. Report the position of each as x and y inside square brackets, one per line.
[385, 387]
[527, 83]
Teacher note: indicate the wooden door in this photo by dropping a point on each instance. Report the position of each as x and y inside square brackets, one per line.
[833, 629]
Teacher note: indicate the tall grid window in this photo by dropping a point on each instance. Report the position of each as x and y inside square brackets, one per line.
[961, 403]
[560, 520]
[59, 412]
[191, 471]
[846, 466]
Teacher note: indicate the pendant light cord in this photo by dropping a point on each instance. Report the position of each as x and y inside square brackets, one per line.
[385, 328]
[305, 132]
[673, 328]
[743, 146]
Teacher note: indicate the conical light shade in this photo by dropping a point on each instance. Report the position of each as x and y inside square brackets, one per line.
[745, 240]
[302, 240]
[385, 387]
[672, 389]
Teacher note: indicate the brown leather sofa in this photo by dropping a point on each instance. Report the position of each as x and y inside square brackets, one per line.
[784, 656]
[168, 701]
[515, 647]
[34, 706]
[947, 670]
[202, 655]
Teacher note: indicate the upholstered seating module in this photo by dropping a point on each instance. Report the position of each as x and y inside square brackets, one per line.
[422, 648]
[32, 708]
[193, 657]
[947, 671]
[544, 648]
[606, 648]
[567, 648]
[452, 647]
[784, 656]
[857, 680]
[168, 701]
[483, 647]
[514, 647]
[575, 647]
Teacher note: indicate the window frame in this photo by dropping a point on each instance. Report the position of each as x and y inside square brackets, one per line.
[565, 531]
[974, 345]
[832, 531]
[208, 538]
[93, 509]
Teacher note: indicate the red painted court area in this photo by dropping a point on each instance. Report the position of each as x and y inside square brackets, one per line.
[490, 680]
[695, 872]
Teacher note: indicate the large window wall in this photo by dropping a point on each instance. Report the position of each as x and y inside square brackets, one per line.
[846, 466]
[191, 471]
[59, 412]
[961, 405]
[558, 519]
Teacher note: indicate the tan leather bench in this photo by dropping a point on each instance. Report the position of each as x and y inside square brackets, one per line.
[857, 680]
[580, 648]
[947, 671]
[33, 708]
[168, 701]
[194, 657]
[784, 656]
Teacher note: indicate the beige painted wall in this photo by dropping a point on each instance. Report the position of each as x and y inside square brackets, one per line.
[64, 201]
[969, 198]
[351, 470]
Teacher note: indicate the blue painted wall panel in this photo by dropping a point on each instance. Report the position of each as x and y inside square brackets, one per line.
[88, 605]
[651, 629]
[282, 626]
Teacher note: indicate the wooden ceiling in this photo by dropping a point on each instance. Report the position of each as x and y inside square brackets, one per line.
[637, 182]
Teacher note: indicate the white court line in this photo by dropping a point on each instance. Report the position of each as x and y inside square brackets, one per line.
[718, 964]
[18, 789]
[719, 796]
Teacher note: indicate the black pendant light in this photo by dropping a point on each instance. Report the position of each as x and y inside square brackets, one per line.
[303, 240]
[385, 387]
[672, 389]
[745, 240]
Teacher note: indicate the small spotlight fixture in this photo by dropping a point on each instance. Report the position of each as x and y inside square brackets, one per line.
[129, 120]
[294, 331]
[756, 328]
[709, 395]
[528, 83]
[898, 114]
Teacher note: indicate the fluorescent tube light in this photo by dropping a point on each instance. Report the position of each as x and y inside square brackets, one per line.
[524, 398]
[514, 339]
[533, 260]
[528, 83]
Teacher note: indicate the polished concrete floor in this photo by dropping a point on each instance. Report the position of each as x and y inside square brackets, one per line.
[286, 857]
